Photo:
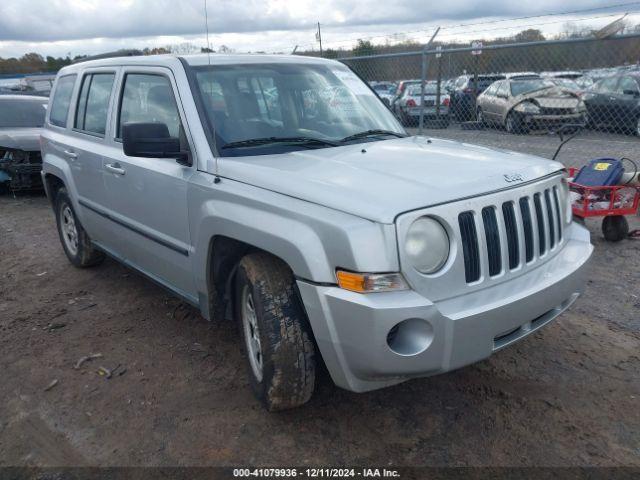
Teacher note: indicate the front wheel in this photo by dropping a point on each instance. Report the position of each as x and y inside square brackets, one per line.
[514, 124]
[277, 337]
[75, 241]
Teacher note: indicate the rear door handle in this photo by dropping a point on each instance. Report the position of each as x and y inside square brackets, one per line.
[114, 168]
[70, 154]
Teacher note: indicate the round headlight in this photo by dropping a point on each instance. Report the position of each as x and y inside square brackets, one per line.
[427, 245]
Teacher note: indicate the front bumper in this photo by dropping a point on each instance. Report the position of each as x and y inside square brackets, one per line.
[546, 120]
[351, 329]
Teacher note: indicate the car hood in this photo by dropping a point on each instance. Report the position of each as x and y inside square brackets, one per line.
[27, 139]
[380, 180]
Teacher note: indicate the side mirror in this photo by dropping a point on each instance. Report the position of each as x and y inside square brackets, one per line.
[152, 140]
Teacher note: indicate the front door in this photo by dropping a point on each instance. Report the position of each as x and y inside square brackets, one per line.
[148, 196]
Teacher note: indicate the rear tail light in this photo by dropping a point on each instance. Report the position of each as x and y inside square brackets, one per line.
[445, 102]
[411, 102]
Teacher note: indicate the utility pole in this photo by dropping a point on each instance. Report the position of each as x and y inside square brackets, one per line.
[319, 38]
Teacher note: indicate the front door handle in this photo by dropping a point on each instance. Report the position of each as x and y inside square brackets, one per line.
[70, 154]
[114, 168]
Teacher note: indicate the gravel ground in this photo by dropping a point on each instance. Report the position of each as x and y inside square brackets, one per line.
[567, 395]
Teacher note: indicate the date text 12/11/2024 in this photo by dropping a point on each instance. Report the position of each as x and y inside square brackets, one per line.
[315, 473]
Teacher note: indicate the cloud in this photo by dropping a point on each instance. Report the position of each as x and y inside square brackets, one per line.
[59, 20]
[86, 27]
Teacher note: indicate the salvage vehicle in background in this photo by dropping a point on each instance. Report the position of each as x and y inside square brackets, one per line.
[520, 105]
[329, 234]
[408, 107]
[21, 121]
[614, 102]
[402, 86]
[465, 91]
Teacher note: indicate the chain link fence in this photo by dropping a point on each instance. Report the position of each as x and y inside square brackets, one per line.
[516, 96]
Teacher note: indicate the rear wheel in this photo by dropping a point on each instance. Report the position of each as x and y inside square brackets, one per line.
[480, 117]
[405, 119]
[514, 124]
[277, 337]
[615, 228]
[75, 241]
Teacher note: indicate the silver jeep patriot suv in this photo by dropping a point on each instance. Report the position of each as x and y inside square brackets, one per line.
[280, 191]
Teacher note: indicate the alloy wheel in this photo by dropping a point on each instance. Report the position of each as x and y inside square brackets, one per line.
[69, 230]
[251, 332]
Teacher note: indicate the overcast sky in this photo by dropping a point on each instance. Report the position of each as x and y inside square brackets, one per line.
[60, 27]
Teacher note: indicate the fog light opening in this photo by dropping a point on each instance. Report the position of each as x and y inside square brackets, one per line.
[410, 337]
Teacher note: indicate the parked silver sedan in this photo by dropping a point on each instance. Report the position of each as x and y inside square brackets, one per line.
[408, 106]
[520, 105]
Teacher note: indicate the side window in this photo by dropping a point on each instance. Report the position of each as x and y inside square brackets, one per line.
[61, 101]
[503, 89]
[491, 91]
[608, 84]
[628, 86]
[148, 98]
[93, 103]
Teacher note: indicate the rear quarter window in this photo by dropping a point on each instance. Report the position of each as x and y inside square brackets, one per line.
[61, 100]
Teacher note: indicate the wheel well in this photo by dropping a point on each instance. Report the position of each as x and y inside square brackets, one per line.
[224, 257]
[52, 185]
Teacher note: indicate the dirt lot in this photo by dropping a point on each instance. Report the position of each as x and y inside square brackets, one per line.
[567, 395]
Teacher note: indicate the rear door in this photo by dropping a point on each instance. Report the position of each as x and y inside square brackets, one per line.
[501, 101]
[148, 196]
[85, 147]
[487, 101]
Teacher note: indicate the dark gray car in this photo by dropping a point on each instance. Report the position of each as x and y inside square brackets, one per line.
[21, 121]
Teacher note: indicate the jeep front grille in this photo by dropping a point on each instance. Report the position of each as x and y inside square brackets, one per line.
[470, 246]
[504, 228]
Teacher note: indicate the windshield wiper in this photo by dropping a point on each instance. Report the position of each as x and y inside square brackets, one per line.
[252, 142]
[371, 133]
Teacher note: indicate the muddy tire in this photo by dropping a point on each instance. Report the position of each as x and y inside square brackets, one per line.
[615, 228]
[75, 241]
[277, 338]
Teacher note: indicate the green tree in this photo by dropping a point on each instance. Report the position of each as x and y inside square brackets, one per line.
[363, 48]
[529, 35]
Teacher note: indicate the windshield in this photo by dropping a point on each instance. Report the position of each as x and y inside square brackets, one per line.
[520, 87]
[287, 101]
[25, 113]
